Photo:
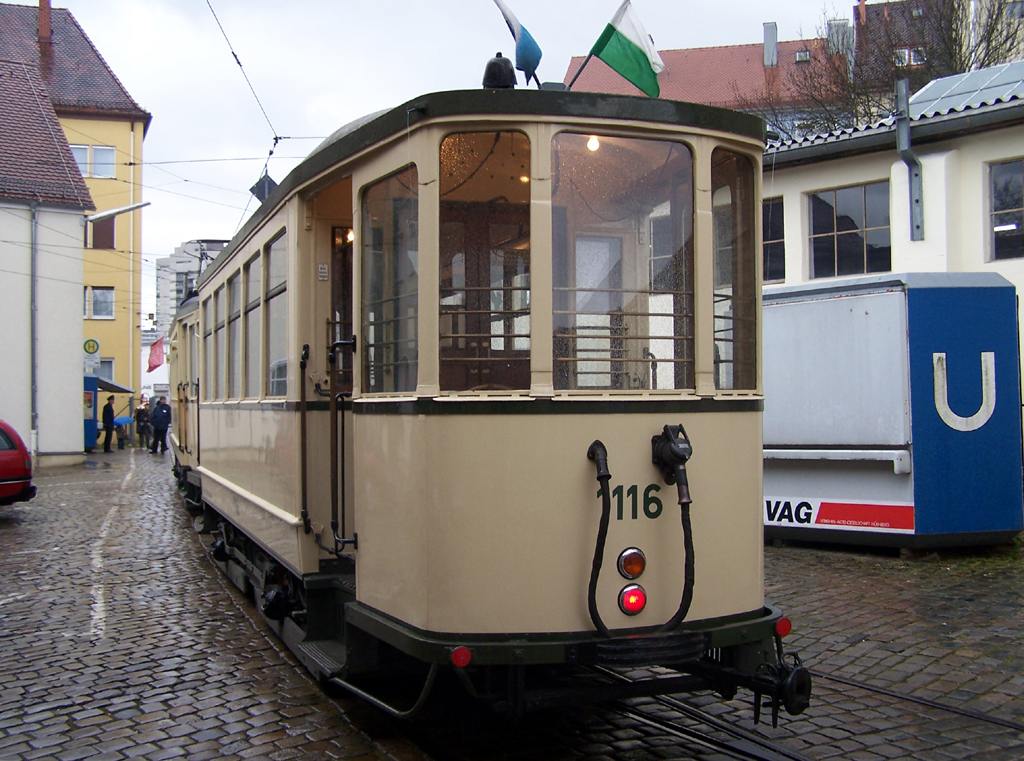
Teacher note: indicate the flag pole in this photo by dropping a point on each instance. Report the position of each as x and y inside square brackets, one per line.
[579, 70]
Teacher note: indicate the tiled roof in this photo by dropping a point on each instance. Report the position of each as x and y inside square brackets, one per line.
[731, 76]
[36, 163]
[77, 77]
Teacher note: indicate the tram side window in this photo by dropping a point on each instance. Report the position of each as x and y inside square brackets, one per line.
[485, 261]
[253, 277]
[276, 255]
[234, 335]
[193, 362]
[390, 267]
[735, 262]
[622, 249]
[218, 343]
[208, 356]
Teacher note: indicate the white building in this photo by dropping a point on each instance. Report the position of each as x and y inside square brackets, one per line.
[840, 204]
[42, 201]
[176, 276]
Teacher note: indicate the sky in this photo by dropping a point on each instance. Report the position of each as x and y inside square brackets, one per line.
[316, 65]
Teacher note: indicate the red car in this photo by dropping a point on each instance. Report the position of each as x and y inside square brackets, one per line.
[15, 467]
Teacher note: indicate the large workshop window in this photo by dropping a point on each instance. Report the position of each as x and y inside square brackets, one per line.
[276, 262]
[622, 247]
[735, 262]
[485, 261]
[850, 230]
[390, 268]
[253, 277]
[1006, 197]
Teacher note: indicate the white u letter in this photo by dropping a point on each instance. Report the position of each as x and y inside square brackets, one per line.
[988, 394]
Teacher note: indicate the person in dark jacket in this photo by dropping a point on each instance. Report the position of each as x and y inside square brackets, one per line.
[108, 423]
[142, 424]
[160, 419]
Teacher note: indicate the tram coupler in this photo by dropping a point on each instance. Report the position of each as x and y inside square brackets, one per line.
[670, 450]
[787, 685]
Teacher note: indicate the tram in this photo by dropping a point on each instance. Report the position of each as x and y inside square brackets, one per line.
[478, 389]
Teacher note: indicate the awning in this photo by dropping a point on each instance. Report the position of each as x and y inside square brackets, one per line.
[106, 385]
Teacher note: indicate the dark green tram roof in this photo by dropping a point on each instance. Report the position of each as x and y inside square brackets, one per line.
[368, 130]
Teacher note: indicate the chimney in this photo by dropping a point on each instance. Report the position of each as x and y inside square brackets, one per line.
[863, 12]
[771, 45]
[45, 29]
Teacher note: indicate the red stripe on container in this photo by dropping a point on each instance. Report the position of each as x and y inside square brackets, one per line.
[866, 516]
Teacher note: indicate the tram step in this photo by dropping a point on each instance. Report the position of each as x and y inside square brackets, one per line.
[323, 655]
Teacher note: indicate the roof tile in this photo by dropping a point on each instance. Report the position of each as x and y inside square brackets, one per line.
[731, 76]
[36, 163]
[76, 75]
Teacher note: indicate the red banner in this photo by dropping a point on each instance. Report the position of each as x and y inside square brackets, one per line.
[156, 355]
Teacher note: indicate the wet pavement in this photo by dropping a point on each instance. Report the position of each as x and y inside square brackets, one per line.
[118, 640]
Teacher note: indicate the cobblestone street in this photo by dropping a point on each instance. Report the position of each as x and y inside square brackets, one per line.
[119, 640]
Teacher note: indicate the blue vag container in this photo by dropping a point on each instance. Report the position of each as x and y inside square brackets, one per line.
[893, 411]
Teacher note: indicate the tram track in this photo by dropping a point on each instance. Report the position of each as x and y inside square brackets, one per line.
[924, 702]
[742, 744]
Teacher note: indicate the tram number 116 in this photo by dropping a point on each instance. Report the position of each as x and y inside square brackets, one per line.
[620, 495]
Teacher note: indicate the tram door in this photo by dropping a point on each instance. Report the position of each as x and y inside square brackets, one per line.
[340, 326]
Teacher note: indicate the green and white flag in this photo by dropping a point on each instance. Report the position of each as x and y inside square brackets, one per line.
[626, 47]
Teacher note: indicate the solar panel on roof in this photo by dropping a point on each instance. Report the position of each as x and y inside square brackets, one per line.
[970, 90]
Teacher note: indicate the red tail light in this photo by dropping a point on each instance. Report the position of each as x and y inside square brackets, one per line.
[461, 656]
[632, 599]
[783, 627]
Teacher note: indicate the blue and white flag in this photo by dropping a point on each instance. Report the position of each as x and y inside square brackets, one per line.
[527, 50]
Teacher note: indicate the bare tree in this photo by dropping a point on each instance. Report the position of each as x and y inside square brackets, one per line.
[846, 81]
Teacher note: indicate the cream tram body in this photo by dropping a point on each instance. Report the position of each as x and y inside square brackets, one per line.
[523, 273]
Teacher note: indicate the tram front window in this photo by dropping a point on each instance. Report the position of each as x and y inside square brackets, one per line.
[390, 262]
[732, 183]
[622, 250]
[485, 261]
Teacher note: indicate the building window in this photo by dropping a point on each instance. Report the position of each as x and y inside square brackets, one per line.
[622, 269]
[803, 56]
[234, 336]
[909, 57]
[276, 256]
[81, 154]
[253, 277]
[1007, 203]
[103, 161]
[98, 303]
[98, 161]
[103, 233]
[106, 369]
[485, 262]
[774, 267]
[390, 266]
[850, 231]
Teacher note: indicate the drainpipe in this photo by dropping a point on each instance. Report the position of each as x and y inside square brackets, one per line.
[33, 301]
[910, 159]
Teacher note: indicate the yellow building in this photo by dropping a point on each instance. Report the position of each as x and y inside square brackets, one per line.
[105, 128]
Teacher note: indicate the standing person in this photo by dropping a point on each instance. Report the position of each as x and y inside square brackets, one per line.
[108, 423]
[142, 424]
[160, 419]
